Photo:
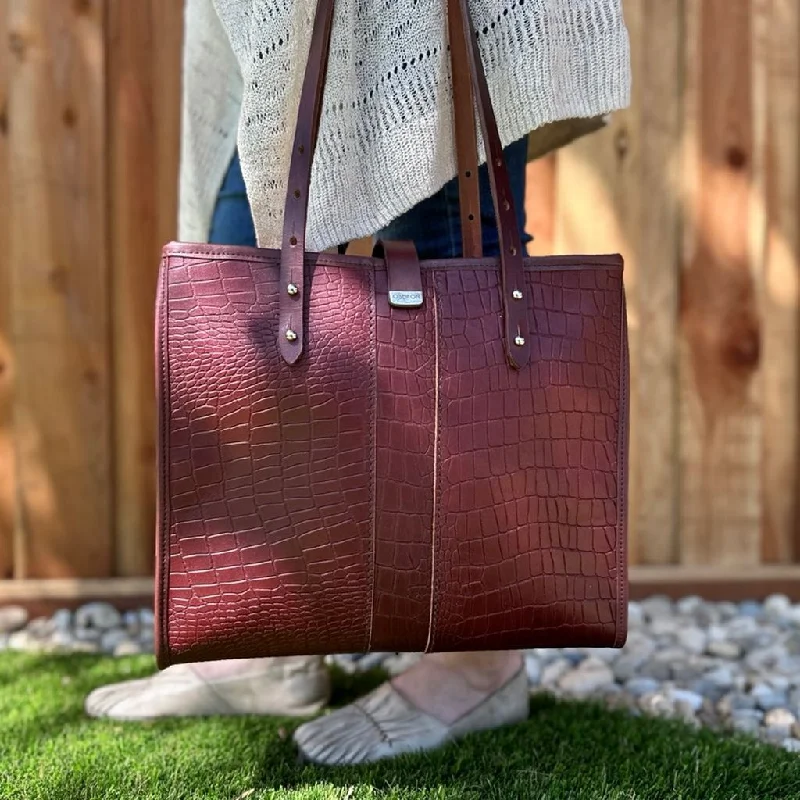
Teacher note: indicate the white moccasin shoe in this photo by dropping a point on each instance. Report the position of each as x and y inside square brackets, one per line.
[384, 724]
[294, 686]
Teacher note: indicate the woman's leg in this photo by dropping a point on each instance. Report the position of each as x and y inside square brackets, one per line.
[282, 686]
[232, 222]
[444, 694]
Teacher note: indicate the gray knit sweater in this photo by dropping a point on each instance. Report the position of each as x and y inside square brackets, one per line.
[386, 134]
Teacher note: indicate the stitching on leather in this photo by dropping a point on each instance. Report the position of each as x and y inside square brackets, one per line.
[163, 539]
[549, 264]
[622, 476]
[322, 259]
[530, 264]
[373, 456]
[429, 645]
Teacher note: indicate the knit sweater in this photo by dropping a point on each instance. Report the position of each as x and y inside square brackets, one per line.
[386, 140]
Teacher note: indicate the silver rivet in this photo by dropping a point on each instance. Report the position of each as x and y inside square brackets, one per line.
[516, 294]
[291, 336]
[292, 289]
[519, 341]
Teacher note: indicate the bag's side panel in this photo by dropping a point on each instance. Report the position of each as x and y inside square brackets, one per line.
[406, 366]
[623, 477]
[270, 466]
[528, 518]
[162, 458]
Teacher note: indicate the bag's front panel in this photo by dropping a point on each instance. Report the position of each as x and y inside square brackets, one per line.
[269, 495]
[406, 410]
[529, 533]
[400, 487]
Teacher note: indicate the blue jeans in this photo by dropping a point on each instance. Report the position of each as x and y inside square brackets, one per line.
[434, 225]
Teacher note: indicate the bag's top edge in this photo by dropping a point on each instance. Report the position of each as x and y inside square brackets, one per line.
[213, 252]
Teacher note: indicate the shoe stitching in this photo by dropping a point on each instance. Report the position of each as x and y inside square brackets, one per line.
[485, 700]
[210, 686]
[385, 738]
[489, 696]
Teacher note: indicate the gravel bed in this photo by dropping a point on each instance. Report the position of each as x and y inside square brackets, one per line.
[93, 628]
[725, 666]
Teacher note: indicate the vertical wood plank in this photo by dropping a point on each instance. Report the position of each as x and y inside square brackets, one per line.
[592, 204]
[359, 247]
[58, 258]
[7, 459]
[720, 425]
[540, 204]
[597, 208]
[595, 204]
[144, 73]
[777, 57]
[167, 16]
[654, 131]
[618, 191]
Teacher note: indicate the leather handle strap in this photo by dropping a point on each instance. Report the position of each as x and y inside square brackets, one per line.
[291, 330]
[293, 285]
[403, 274]
[466, 138]
[512, 270]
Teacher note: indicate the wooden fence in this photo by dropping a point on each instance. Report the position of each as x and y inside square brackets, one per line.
[697, 184]
[89, 145]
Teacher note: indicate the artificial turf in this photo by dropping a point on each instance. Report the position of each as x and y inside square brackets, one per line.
[566, 751]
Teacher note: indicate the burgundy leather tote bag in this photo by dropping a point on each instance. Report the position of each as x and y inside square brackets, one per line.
[385, 454]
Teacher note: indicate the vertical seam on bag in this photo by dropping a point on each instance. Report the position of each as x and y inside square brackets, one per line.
[621, 473]
[373, 454]
[165, 459]
[436, 449]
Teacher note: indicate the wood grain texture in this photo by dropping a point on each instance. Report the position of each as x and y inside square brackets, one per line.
[776, 61]
[7, 455]
[44, 597]
[618, 190]
[596, 211]
[144, 69]
[60, 286]
[89, 119]
[78, 589]
[652, 137]
[728, 584]
[721, 335]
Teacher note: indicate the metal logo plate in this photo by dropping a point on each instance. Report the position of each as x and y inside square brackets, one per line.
[405, 299]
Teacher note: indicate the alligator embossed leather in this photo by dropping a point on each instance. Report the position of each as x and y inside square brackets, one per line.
[385, 454]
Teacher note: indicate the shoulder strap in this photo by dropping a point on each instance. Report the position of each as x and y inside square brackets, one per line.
[292, 305]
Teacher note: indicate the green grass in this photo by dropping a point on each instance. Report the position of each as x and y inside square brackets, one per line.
[566, 751]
